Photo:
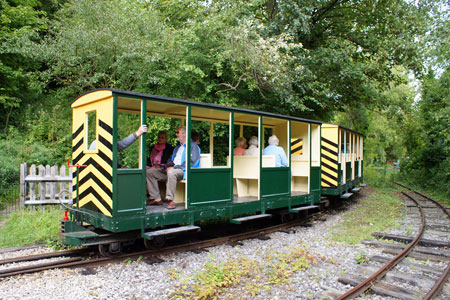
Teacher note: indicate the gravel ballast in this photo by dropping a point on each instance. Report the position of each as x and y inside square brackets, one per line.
[140, 280]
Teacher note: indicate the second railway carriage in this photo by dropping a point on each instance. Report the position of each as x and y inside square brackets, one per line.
[110, 201]
[341, 160]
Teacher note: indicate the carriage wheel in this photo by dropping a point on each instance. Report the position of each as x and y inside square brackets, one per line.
[111, 249]
[155, 243]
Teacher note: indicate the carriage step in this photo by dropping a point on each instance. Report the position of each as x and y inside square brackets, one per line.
[297, 209]
[346, 195]
[354, 190]
[248, 218]
[150, 235]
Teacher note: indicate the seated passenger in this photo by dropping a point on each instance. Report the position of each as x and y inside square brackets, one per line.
[174, 170]
[241, 144]
[195, 136]
[253, 147]
[160, 152]
[278, 152]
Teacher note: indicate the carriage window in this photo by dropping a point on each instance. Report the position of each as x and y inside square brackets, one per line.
[127, 124]
[275, 143]
[91, 130]
[202, 130]
[221, 144]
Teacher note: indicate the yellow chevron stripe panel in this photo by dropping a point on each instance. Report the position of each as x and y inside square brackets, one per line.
[97, 174]
[92, 184]
[329, 179]
[91, 198]
[296, 146]
[329, 154]
[99, 163]
[95, 190]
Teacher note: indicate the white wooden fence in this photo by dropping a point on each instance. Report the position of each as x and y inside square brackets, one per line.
[49, 186]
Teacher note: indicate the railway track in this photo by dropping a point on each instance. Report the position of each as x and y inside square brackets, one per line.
[79, 258]
[427, 287]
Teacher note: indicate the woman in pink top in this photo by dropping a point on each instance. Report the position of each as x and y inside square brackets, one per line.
[241, 144]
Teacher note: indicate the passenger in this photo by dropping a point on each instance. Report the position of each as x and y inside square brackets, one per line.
[195, 136]
[159, 153]
[126, 142]
[253, 147]
[278, 152]
[174, 170]
[241, 144]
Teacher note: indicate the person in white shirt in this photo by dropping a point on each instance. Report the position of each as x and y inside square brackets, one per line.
[253, 147]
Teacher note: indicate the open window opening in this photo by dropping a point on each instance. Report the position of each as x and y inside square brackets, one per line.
[128, 154]
[213, 130]
[300, 167]
[276, 144]
[91, 130]
[246, 161]
[315, 145]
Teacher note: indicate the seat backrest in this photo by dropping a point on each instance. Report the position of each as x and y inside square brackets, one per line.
[268, 161]
[205, 160]
[246, 167]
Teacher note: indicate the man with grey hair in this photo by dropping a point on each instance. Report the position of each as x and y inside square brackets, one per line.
[275, 150]
[173, 171]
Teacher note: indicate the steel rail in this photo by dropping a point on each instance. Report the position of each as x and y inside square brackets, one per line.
[43, 256]
[77, 262]
[370, 281]
[434, 291]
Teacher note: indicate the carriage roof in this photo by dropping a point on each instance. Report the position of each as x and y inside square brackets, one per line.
[129, 103]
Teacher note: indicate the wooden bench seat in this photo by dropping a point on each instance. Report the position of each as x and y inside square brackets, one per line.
[246, 174]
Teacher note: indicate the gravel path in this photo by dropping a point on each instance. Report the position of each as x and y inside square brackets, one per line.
[179, 273]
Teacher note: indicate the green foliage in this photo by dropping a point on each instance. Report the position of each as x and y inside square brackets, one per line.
[362, 258]
[15, 150]
[20, 20]
[301, 58]
[30, 227]
[428, 163]
[381, 176]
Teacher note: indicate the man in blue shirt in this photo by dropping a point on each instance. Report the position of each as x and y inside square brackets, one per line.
[278, 152]
[174, 170]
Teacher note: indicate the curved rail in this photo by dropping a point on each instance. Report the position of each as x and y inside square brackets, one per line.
[369, 282]
[434, 291]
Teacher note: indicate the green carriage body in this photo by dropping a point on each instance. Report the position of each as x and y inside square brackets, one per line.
[111, 200]
[342, 160]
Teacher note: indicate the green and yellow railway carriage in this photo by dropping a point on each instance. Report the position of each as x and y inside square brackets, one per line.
[341, 160]
[110, 204]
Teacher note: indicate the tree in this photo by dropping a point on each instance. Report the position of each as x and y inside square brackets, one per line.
[349, 47]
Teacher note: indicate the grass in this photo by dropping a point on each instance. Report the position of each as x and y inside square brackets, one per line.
[377, 212]
[30, 227]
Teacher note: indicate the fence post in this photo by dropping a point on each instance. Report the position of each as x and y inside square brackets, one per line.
[32, 184]
[53, 185]
[41, 172]
[62, 186]
[23, 185]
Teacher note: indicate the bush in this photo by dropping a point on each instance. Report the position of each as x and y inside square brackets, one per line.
[379, 176]
[14, 151]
